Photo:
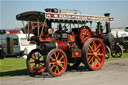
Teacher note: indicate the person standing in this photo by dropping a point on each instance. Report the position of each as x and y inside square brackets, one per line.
[1, 52]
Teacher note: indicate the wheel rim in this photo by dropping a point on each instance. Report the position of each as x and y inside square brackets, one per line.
[84, 35]
[57, 62]
[95, 54]
[37, 63]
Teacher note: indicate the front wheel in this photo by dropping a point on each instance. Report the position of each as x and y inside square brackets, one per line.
[56, 62]
[35, 62]
[93, 54]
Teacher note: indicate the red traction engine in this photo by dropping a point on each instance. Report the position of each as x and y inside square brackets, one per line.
[63, 41]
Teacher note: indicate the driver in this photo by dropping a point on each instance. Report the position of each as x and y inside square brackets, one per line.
[59, 29]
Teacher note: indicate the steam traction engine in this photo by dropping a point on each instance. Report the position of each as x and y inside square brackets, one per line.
[68, 44]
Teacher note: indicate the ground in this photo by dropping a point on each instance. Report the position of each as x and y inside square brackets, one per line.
[112, 73]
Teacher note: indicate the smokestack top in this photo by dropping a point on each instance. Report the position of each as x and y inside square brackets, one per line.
[107, 14]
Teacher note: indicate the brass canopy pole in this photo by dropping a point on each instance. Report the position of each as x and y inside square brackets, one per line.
[99, 28]
[24, 29]
[43, 27]
[28, 30]
[70, 26]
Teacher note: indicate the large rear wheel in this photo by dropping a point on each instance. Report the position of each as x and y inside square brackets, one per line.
[56, 62]
[93, 54]
[35, 62]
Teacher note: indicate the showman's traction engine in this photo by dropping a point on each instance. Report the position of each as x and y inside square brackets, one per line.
[65, 39]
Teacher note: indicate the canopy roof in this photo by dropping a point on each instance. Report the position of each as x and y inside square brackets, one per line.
[60, 17]
[31, 16]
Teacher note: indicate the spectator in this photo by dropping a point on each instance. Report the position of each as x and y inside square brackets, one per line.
[1, 52]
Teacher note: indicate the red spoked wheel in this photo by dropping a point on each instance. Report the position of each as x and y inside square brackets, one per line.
[36, 62]
[56, 62]
[93, 54]
[85, 34]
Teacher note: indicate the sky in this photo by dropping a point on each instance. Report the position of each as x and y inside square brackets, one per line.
[10, 8]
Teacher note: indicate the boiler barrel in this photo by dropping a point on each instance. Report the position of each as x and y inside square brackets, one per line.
[57, 44]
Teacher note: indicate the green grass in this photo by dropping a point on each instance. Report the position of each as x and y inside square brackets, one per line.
[125, 55]
[12, 67]
[17, 66]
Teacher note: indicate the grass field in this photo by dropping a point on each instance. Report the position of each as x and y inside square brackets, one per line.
[17, 66]
[125, 55]
[12, 67]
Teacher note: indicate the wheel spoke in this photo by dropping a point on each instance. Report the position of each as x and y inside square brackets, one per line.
[91, 59]
[96, 61]
[89, 50]
[98, 50]
[100, 54]
[52, 67]
[60, 65]
[57, 56]
[54, 54]
[90, 54]
[91, 47]
[33, 67]
[99, 63]
[35, 64]
[33, 57]
[62, 62]
[61, 58]
[39, 66]
[42, 61]
[98, 47]
[94, 45]
[57, 69]
[52, 63]
[93, 62]
[98, 58]
[38, 56]
[52, 58]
